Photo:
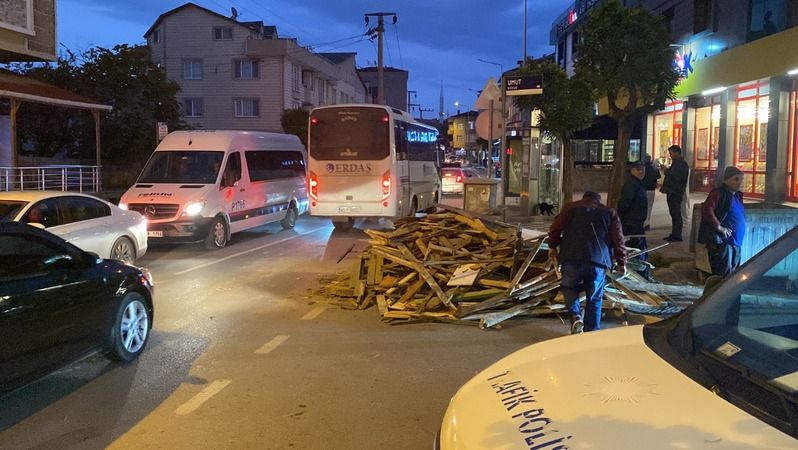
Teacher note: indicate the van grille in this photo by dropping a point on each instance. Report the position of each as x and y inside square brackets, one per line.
[155, 211]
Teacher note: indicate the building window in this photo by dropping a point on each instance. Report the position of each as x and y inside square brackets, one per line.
[246, 69]
[192, 69]
[156, 36]
[296, 77]
[667, 131]
[247, 107]
[705, 145]
[701, 15]
[192, 107]
[222, 33]
[750, 143]
[766, 17]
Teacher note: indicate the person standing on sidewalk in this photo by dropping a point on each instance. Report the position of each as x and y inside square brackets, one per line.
[632, 209]
[582, 238]
[674, 187]
[650, 181]
[723, 223]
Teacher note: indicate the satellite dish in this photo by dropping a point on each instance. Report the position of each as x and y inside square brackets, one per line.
[234, 12]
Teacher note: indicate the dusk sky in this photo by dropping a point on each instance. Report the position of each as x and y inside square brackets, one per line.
[434, 41]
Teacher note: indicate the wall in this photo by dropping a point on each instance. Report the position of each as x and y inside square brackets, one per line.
[588, 179]
[19, 46]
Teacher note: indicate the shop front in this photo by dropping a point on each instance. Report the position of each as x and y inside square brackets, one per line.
[737, 108]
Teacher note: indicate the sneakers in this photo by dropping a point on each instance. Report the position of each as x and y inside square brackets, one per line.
[577, 327]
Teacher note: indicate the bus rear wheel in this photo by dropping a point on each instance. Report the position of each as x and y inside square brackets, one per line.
[343, 223]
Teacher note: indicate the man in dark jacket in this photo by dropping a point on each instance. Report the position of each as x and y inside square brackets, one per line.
[674, 187]
[584, 237]
[632, 210]
[650, 180]
[723, 223]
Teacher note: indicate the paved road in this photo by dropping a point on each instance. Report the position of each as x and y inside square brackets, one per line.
[240, 359]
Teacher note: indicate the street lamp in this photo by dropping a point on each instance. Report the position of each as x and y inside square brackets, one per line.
[501, 67]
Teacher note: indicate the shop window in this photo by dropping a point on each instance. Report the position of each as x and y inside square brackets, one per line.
[705, 145]
[750, 144]
[792, 154]
[667, 131]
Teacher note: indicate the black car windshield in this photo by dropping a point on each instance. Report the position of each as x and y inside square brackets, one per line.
[184, 167]
[9, 209]
[744, 335]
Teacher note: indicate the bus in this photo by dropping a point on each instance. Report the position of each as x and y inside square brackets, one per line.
[370, 161]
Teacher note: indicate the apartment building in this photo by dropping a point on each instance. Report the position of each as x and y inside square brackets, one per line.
[243, 75]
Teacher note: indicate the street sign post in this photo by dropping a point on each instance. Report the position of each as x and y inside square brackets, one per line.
[526, 85]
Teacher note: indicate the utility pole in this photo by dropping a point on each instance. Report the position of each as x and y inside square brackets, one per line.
[421, 112]
[524, 33]
[410, 104]
[380, 71]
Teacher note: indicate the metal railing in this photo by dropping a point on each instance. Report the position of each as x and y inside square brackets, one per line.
[51, 178]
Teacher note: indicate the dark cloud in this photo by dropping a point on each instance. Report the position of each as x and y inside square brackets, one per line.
[437, 40]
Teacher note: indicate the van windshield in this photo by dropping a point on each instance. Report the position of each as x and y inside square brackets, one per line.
[350, 134]
[194, 167]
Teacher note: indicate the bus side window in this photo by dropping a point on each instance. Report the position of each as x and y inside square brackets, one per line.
[400, 140]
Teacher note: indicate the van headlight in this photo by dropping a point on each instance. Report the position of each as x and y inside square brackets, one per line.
[193, 208]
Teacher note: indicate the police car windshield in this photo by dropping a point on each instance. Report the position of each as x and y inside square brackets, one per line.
[9, 209]
[349, 134]
[194, 167]
[744, 335]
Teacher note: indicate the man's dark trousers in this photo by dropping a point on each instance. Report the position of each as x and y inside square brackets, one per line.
[580, 276]
[640, 244]
[675, 210]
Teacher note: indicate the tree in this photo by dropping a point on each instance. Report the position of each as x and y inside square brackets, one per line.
[124, 77]
[295, 121]
[565, 107]
[626, 58]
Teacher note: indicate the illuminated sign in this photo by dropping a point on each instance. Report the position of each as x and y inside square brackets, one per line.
[527, 85]
[572, 16]
[683, 63]
[422, 136]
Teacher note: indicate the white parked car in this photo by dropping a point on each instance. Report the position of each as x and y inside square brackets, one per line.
[89, 223]
[721, 375]
[454, 177]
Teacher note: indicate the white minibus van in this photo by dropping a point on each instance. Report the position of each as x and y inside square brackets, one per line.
[203, 186]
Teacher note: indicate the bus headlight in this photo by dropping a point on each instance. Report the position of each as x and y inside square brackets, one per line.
[193, 208]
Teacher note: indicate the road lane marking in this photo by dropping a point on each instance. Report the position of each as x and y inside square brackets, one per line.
[314, 313]
[202, 397]
[271, 345]
[217, 261]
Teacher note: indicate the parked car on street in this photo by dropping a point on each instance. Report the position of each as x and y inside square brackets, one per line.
[722, 374]
[59, 303]
[91, 224]
[453, 178]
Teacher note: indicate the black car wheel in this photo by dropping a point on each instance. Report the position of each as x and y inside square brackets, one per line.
[290, 218]
[131, 329]
[217, 235]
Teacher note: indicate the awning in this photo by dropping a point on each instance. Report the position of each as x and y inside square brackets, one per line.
[606, 128]
[27, 89]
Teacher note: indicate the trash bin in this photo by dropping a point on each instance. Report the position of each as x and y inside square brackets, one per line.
[479, 195]
[764, 223]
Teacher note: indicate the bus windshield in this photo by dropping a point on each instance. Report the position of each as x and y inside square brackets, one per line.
[194, 167]
[352, 133]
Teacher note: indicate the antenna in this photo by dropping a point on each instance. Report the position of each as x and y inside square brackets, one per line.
[234, 13]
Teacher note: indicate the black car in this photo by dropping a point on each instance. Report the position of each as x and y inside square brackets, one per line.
[59, 303]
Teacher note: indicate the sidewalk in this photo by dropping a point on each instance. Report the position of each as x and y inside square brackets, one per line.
[674, 262]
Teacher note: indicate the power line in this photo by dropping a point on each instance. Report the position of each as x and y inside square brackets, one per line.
[396, 32]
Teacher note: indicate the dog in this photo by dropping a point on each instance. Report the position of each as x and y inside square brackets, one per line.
[546, 208]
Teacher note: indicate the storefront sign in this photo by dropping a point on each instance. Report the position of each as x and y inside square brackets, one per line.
[527, 85]
[683, 63]
[574, 14]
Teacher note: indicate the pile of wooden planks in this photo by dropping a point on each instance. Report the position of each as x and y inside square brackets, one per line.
[455, 267]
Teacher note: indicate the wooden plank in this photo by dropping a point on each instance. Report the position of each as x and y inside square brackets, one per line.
[493, 319]
[487, 304]
[477, 224]
[357, 267]
[382, 305]
[378, 275]
[494, 283]
[371, 273]
[422, 246]
[411, 291]
[524, 267]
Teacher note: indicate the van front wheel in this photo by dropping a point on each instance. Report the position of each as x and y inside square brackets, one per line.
[217, 235]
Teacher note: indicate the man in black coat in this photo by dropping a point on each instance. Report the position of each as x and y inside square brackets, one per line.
[650, 180]
[632, 210]
[674, 187]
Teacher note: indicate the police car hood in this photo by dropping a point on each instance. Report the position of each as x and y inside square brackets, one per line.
[601, 390]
